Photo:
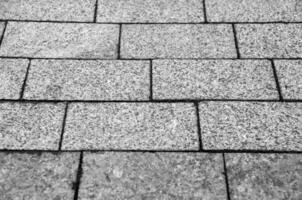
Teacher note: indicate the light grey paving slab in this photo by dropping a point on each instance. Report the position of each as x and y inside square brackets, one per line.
[213, 79]
[254, 11]
[251, 125]
[290, 77]
[30, 126]
[88, 80]
[143, 126]
[59, 40]
[265, 176]
[269, 40]
[157, 11]
[67, 10]
[152, 176]
[43, 176]
[177, 41]
[12, 74]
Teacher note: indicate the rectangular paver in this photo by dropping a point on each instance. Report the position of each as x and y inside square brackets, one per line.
[30, 126]
[270, 40]
[54, 10]
[38, 176]
[113, 176]
[251, 125]
[254, 11]
[290, 77]
[177, 41]
[213, 79]
[88, 80]
[12, 74]
[264, 176]
[158, 11]
[60, 40]
[131, 126]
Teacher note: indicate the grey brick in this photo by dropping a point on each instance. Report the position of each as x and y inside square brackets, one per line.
[254, 11]
[251, 125]
[67, 10]
[30, 126]
[38, 176]
[270, 40]
[213, 79]
[265, 176]
[88, 80]
[290, 77]
[12, 74]
[131, 126]
[158, 11]
[60, 40]
[177, 41]
[179, 176]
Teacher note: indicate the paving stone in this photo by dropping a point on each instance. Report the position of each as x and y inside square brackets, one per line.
[270, 40]
[290, 78]
[67, 10]
[177, 41]
[152, 176]
[158, 11]
[131, 126]
[254, 11]
[12, 74]
[37, 176]
[251, 125]
[265, 176]
[59, 40]
[88, 80]
[30, 126]
[213, 79]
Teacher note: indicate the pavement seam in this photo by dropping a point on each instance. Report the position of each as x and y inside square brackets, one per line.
[25, 80]
[63, 126]
[3, 32]
[277, 80]
[95, 11]
[205, 12]
[76, 185]
[151, 80]
[198, 126]
[236, 41]
[226, 178]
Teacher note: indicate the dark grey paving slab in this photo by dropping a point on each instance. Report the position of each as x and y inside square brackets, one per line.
[67, 10]
[265, 176]
[12, 74]
[254, 11]
[142, 11]
[131, 126]
[88, 80]
[270, 40]
[290, 77]
[177, 41]
[213, 79]
[59, 40]
[38, 176]
[251, 125]
[30, 126]
[152, 176]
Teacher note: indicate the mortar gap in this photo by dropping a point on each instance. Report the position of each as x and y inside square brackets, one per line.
[277, 80]
[236, 41]
[63, 126]
[25, 80]
[226, 178]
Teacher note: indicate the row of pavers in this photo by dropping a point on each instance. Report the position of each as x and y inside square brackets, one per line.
[158, 11]
[150, 41]
[54, 79]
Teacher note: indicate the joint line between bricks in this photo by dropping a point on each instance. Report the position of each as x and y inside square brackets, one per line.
[198, 126]
[3, 32]
[205, 12]
[119, 42]
[226, 178]
[151, 80]
[95, 11]
[236, 41]
[25, 80]
[78, 177]
[63, 126]
[277, 80]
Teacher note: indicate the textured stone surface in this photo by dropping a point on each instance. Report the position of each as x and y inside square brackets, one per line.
[12, 74]
[270, 40]
[30, 126]
[60, 40]
[88, 80]
[254, 11]
[265, 176]
[67, 10]
[290, 77]
[208, 79]
[152, 176]
[251, 125]
[37, 176]
[131, 126]
[177, 41]
[150, 11]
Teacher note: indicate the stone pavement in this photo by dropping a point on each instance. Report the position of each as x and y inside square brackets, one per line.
[150, 99]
